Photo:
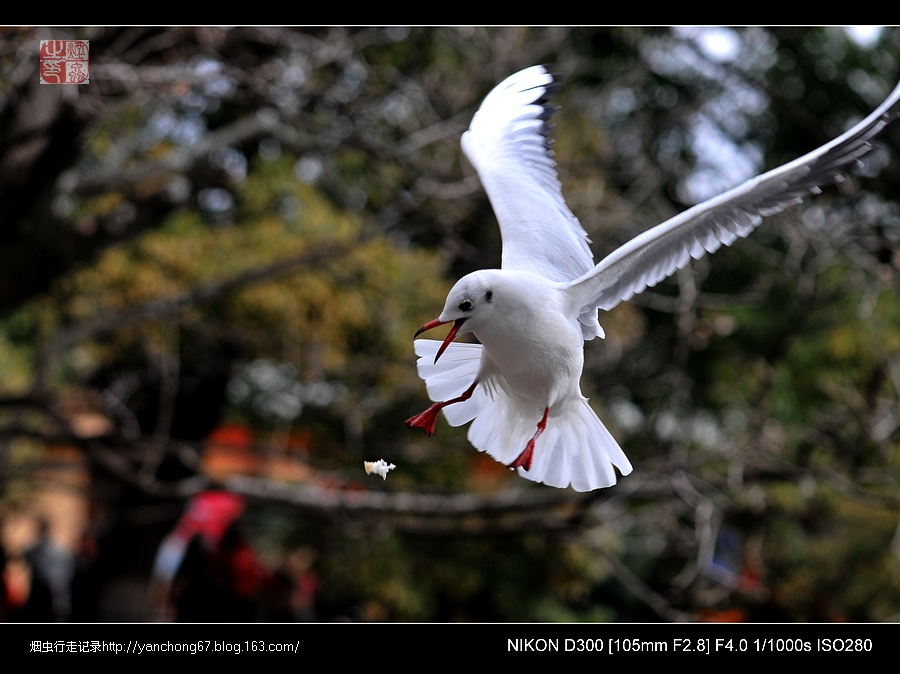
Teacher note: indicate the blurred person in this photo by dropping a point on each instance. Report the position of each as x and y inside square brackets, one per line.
[207, 571]
[51, 568]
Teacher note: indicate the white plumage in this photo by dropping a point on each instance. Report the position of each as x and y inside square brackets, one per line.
[520, 386]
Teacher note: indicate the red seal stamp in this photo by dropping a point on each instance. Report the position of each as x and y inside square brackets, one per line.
[65, 61]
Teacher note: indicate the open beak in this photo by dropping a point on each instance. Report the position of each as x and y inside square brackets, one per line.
[457, 324]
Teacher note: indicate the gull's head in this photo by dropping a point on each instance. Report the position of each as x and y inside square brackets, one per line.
[468, 302]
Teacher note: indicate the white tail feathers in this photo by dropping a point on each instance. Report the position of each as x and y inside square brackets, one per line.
[574, 450]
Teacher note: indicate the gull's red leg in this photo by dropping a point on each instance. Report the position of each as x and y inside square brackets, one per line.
[524, 459]
[427, 419]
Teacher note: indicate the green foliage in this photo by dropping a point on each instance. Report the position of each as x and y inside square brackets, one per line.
[429, 578]
[822, 556]
[348, 316]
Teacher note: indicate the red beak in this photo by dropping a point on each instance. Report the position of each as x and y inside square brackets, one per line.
[457, 324]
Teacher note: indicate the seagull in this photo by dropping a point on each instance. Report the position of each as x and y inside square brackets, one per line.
[520, 385]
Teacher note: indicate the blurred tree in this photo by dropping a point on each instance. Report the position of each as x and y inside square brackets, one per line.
[245, 226]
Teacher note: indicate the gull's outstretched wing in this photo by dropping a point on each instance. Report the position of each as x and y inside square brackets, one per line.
[654, 255]
[509, 146]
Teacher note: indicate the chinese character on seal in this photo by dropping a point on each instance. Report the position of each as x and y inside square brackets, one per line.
[65, 61]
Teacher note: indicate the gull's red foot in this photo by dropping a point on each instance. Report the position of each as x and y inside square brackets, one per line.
[524, 459]
[426, 420]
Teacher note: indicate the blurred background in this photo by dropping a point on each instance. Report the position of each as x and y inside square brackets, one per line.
[213, 258]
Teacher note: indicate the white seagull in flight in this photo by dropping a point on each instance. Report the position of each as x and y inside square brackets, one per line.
[520, 386]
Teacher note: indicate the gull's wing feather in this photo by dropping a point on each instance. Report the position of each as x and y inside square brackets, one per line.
[509, 146]
[655, 254]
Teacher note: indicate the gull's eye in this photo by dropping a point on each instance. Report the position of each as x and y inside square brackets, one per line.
[465, 305]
